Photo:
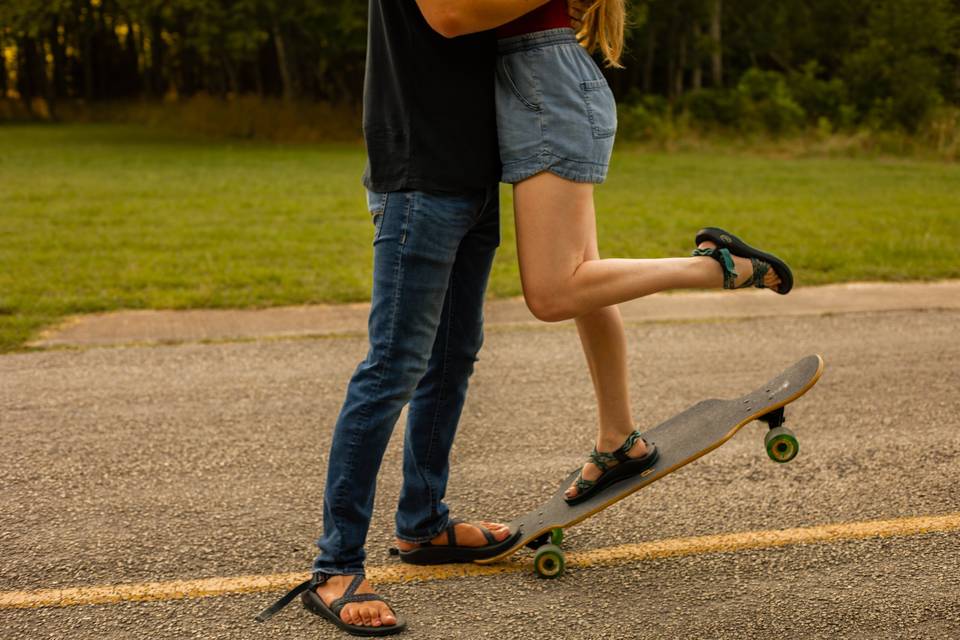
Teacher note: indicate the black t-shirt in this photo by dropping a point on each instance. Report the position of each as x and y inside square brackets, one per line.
[429, 116]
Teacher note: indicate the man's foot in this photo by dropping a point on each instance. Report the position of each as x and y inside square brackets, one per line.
[591, 472]
[744, 269]
[373, 613]
[467, 535]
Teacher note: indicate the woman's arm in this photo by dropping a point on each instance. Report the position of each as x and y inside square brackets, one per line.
[452, 18]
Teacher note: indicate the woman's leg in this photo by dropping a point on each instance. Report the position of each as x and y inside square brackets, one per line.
[563, 276]
[555, 223]
[604, 345]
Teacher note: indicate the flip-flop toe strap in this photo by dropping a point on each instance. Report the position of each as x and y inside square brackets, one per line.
[487, 534]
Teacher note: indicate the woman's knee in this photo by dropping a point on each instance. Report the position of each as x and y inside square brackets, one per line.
[548, 305]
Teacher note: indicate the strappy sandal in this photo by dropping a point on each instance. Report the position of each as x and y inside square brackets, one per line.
[428, 553]
[728, 244]
[315, 604]
[615, 466]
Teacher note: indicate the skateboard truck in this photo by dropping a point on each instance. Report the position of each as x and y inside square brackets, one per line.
[775, 418]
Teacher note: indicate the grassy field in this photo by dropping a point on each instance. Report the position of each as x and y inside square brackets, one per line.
[94, 218]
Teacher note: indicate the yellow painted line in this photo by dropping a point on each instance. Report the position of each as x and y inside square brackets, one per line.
[671, 548]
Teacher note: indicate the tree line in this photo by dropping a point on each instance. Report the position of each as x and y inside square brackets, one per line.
[891, 62]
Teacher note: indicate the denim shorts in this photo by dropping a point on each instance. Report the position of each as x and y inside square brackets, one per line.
[555, 111]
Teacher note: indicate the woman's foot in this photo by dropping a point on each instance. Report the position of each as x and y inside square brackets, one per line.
[733, 254]
[467, 535]
[634, 447]
[373, 613]
[744, 269]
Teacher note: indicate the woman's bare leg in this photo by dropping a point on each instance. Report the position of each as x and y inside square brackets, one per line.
[554, 218]
[563, 277]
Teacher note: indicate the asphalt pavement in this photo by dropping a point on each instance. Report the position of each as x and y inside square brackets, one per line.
[197, 460]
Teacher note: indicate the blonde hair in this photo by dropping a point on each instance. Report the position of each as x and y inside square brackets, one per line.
[602, 28]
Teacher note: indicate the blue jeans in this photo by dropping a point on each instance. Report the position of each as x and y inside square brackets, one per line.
[432, 259]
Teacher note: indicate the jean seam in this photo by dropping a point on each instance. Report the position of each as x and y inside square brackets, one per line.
[341, 497]
[444, 367]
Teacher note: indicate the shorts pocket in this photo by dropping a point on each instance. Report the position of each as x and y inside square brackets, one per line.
[520, 81]
[601, 107]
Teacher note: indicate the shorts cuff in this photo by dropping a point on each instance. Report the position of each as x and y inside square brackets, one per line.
[573, 170]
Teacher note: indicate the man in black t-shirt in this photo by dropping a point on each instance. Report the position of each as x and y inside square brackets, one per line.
[432, 187]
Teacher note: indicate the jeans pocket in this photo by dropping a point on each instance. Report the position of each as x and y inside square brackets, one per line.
[376, 204]
[601, 107]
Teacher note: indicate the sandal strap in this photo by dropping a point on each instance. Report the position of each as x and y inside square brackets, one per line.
[275, 608]
[337, 605]
[487, 534]
[760, 269]
[452, 536]
[621, 453]
[602, 460]
[721, 255]
[582, 484]
[315, 580]
[452, 533]
[353, 586]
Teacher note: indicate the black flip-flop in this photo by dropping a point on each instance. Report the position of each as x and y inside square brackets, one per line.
[428, 553]
[736, 246]
[315, 604]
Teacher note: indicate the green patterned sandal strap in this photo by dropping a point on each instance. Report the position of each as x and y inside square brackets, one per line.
[726, 263]
[760, 269]
[583, 485]
[603, 460]
[621, 453]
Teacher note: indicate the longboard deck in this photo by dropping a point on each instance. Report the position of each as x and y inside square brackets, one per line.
[681, 440]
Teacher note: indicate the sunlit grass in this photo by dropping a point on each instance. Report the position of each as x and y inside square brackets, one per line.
[94, 218]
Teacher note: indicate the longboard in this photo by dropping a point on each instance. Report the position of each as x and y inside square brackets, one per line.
[681, 440]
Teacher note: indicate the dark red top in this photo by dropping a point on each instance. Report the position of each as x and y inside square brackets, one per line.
[552, 15]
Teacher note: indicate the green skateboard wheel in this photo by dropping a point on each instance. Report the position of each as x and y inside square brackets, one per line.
[549, 561]
[556, 536]
[781, 444]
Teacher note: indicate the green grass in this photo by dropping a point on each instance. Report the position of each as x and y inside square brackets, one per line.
[95, 218]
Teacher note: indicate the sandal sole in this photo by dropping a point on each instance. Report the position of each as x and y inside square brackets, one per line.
[446, 554]
[315, 604]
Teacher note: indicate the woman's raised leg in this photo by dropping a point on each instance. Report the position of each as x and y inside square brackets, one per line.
[563, 277]
[555, 222]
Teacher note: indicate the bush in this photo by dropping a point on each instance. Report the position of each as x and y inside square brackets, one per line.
[822, 99]
[767, 102]
[761, 103]
[710, 107]
[896, 76]
[645, 117]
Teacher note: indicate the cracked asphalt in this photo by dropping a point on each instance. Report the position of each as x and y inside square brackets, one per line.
[143, 464]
